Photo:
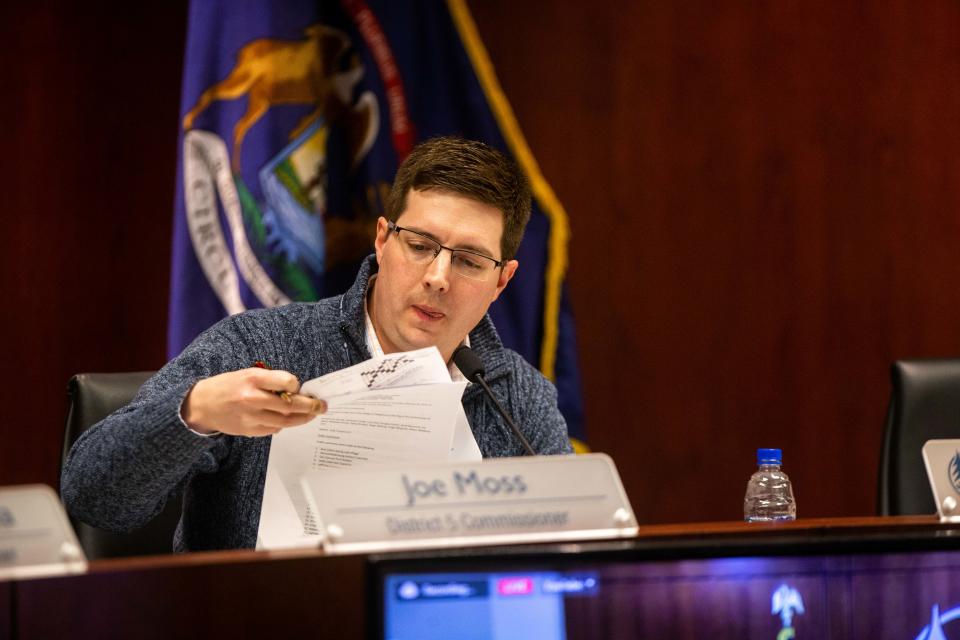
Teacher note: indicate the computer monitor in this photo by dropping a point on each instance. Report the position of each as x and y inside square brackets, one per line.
[820, 591]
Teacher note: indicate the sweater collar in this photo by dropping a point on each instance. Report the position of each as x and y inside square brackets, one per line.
[352, 305]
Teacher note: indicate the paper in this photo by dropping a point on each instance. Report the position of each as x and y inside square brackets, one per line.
[424, 366]
[464, 447]
[401, 407]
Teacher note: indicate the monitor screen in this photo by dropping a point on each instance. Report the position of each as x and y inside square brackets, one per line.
[903, 595]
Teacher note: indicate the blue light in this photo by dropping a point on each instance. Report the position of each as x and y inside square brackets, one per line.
[949, 616]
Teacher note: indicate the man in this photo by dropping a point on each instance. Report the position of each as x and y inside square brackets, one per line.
[445, 252]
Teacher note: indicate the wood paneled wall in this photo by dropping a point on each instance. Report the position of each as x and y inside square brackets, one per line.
[88, 159]
[764, 209]
[763, 200]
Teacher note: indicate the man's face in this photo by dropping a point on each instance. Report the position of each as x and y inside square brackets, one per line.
[416, 305]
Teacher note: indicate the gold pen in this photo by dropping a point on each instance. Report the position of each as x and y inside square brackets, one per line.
[260, 364]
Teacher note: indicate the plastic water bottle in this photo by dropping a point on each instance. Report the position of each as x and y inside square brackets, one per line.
[769, 494]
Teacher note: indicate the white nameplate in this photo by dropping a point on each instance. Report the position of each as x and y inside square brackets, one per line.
[942, 460]
[494, 501]
[36, 538]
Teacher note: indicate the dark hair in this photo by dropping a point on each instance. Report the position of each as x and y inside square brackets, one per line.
[470, 169]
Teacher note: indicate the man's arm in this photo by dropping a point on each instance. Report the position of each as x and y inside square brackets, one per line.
[120, 473]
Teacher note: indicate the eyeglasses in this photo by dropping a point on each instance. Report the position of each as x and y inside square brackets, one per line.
[421, 249]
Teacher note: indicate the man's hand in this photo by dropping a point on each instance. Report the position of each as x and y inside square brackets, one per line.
[245, 403]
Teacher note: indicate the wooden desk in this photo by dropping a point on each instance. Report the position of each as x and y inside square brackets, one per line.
[6, 609]
[236, 594]
[248, 594]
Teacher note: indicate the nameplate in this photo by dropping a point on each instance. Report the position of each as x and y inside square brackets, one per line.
[36, 538]
[942, 460]
[495, 501]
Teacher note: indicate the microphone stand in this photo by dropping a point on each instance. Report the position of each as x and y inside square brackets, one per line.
[506, 416]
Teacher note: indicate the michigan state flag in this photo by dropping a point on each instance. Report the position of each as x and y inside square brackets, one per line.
[295, 117]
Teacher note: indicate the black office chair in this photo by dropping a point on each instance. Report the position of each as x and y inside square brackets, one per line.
[94, 396]
[924, 405]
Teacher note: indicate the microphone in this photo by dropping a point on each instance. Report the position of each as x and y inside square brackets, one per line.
[472, 369]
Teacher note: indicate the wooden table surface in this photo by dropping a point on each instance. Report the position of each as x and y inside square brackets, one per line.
[239, 594]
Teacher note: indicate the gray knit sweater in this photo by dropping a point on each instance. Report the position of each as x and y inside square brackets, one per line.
[120, 473]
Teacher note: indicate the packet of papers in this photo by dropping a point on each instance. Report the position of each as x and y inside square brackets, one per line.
[400, 407]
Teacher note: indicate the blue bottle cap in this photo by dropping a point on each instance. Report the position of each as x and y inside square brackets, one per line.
[769, 456]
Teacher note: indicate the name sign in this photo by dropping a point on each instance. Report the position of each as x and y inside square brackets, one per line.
[494, 501]
[36, 538]
[942, 460]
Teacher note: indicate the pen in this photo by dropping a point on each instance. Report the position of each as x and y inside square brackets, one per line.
[260, 364]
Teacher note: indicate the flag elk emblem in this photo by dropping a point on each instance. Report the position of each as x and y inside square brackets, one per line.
[315, 71]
